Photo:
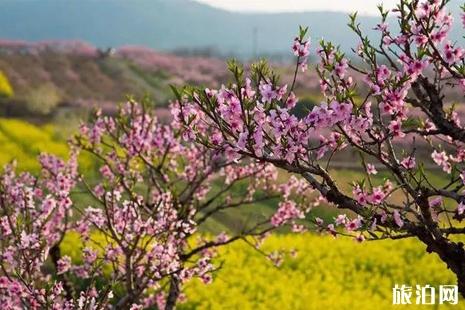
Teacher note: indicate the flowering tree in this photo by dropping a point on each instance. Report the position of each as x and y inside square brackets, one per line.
[398, 119]
[137, 245]
[34, 215]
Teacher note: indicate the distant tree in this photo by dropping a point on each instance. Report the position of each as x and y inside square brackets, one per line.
[43, 99]
[404, 114]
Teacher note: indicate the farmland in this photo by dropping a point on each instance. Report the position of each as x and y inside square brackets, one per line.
[323, 274]
[22, 141]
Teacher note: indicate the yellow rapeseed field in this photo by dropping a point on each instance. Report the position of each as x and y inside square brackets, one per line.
[23, 142]
[326, 274]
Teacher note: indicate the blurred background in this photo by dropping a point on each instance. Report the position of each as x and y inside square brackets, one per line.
[59, 60]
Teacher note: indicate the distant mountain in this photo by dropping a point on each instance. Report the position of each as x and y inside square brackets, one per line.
[168, 25]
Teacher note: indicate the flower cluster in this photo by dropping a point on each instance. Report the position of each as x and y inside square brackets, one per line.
[148, 195]
[397, 118]
[33, 220]
[301, 49]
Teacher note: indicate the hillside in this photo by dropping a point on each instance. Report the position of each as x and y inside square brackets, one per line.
[77, 75]
[52, 75]
[168, 25]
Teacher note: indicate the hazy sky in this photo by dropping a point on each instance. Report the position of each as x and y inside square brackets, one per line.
[362, 6]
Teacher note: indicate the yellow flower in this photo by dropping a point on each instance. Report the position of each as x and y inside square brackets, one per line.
[6, 90]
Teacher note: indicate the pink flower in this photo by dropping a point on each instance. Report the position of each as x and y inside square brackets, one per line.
[106, 172]
[360, 195]
[341, 68]
[331, 230]
[206, 278]
[5, 228]
[29, 241]
[377, 196]
[435, 202]
[416, 68]
[90, 256]
[371, 169]
[382, 27]
[354, 224]
[291, 101]
[64, 264]
[267, 93]
[301, 49]
[342, 111]
[341, 219]
[397, 219]
[442, 159]
[451, 54]
[439, 157]
[222, 237]
[258, 141]
[460, 208]
[242, 141]
[287, 211]
[408, 162]
[395, 127]
[247, 91]
[387, 41]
